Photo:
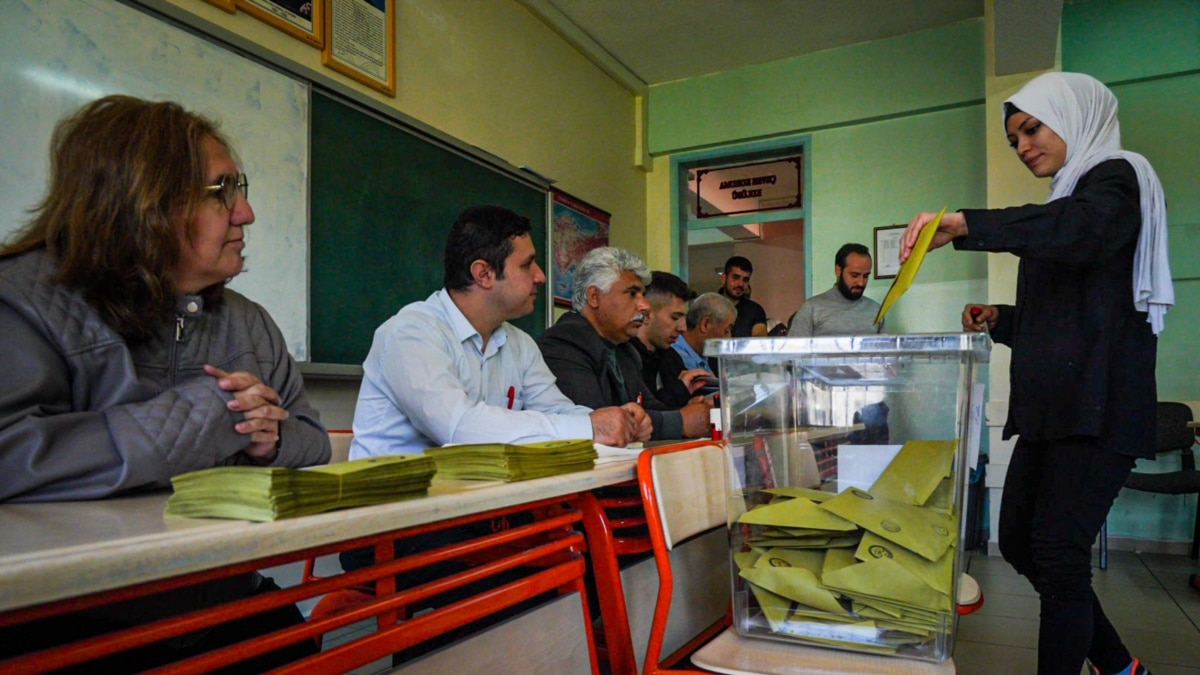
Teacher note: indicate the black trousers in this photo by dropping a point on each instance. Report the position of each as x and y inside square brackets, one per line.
[1056, 496]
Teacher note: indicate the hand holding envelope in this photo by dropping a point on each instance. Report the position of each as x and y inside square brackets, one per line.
[912, 253]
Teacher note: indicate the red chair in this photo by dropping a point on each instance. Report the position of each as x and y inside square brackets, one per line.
[615, 525]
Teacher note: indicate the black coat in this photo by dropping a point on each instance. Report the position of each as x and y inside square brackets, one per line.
[1082, 357]
[578, 357]
[660, 372]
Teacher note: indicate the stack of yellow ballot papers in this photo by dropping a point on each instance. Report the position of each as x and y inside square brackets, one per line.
[511, 462]
[269, 493]
[870, 570]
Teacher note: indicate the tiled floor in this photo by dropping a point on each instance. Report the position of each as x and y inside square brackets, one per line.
[1146, 596]
[353, 631]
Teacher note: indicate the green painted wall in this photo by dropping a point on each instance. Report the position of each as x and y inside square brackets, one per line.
[882, 173]
[1149, 53]
[931, 69]
[1118, 40]
[896, 127]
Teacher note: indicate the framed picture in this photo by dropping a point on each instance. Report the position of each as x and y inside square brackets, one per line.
[301, 19]
[576, 227]
[887, 250]
[227, 5]
[361, 42]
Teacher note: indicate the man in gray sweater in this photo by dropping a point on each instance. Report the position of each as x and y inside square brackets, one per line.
[842, 310]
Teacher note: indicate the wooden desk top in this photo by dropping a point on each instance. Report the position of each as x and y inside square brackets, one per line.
[60, 550]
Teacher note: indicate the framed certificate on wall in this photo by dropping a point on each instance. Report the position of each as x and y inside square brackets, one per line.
[887, 250]
[361, 42]
[301, 19]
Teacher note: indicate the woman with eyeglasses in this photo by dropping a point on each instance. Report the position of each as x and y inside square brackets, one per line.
[126, 360]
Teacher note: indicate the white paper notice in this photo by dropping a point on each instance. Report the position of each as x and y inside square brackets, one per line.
[976, 424]
[861, 465]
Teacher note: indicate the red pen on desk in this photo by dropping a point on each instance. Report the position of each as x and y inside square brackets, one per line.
[512, 397]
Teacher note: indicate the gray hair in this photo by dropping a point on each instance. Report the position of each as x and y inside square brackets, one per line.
[602, 267]
[713, 305]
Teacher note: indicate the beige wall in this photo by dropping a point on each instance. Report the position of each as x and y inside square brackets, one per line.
[487, 72]
[1008, 183]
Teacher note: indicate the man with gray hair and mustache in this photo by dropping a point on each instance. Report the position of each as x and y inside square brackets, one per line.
[589, 349]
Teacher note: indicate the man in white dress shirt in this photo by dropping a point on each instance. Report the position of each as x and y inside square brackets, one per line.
[451, 369]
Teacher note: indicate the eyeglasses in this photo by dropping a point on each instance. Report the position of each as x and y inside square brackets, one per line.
[227, 190]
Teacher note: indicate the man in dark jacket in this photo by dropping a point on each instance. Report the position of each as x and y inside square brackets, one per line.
[589, 349]
[662, 367]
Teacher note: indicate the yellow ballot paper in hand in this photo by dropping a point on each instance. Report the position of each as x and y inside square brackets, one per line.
[908, 271]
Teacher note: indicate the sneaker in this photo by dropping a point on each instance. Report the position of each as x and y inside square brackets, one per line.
[1137, 669]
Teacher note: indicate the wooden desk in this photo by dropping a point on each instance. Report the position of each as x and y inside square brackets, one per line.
[86, 551]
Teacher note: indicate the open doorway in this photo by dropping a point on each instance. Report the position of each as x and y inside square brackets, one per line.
[777, 251]
[750, 202]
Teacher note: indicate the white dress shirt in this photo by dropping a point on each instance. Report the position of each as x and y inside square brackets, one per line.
[428, 381]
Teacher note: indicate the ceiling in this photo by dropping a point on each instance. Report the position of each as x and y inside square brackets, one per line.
[648, 42]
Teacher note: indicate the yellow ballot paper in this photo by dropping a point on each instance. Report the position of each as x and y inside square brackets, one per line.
[795, 583]
[807, 493]
[782, 557]
[908, 271]
[938, 575]
[924, 531]
[916, 471]
[798, 512]
[886, 579]
[774, 606]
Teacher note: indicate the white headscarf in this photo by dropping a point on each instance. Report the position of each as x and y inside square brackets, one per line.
[1081, 110]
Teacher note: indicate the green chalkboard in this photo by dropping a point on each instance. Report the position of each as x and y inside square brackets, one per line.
[383, 200]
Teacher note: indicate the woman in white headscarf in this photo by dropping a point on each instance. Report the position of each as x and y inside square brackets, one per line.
[1092, 289]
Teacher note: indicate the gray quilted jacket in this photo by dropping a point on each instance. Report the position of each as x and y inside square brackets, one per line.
[84, 415]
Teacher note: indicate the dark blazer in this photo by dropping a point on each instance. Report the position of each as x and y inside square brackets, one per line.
[578, 357]
[660, 372]
[1082, 357]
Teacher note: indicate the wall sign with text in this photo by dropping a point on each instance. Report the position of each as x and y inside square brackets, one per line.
[749, 188]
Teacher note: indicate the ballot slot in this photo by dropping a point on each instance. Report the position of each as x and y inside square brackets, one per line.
[845, 500]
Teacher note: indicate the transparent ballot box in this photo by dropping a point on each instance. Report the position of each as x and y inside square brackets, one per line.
[847, 475]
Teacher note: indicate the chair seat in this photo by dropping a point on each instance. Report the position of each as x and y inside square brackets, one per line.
[1169, 483]
[736, 655]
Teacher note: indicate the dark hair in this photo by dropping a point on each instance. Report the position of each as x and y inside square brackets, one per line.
[124, 173]
[664, 285]
[1010, 109]
[480, 233]
[845, 251]
[739, 262]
